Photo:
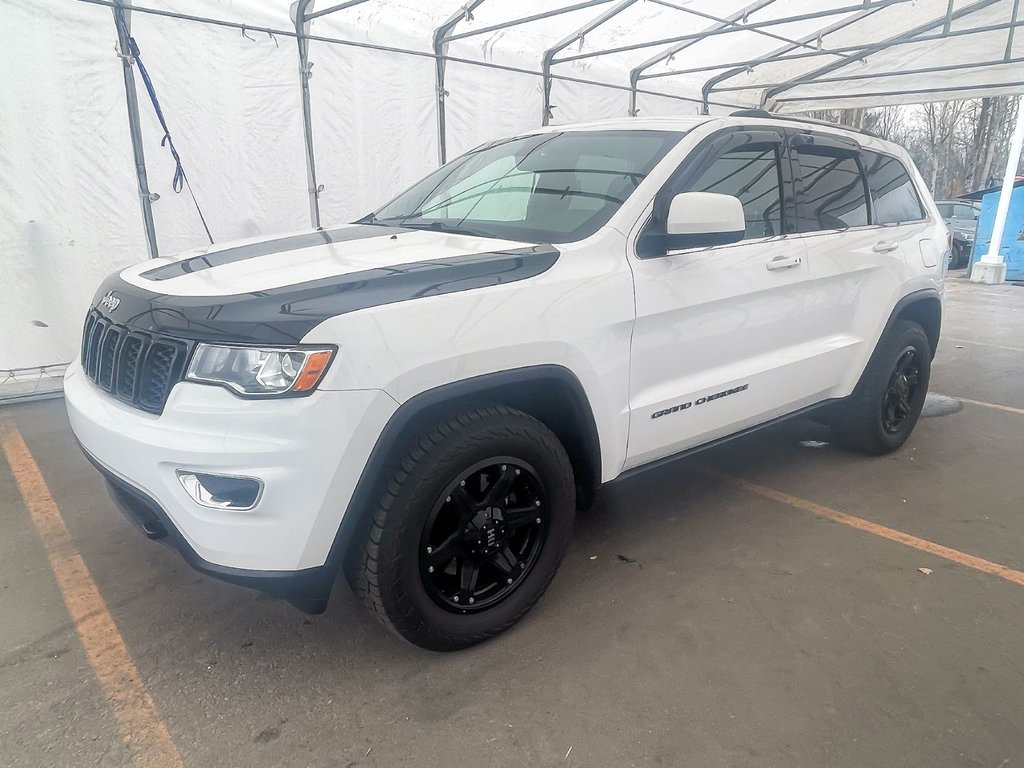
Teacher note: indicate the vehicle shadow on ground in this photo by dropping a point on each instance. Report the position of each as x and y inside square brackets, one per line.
[674, 499]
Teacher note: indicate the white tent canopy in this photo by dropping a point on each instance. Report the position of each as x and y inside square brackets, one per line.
[392, 85]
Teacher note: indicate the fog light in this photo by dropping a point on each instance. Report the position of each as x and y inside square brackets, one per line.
[221, 491]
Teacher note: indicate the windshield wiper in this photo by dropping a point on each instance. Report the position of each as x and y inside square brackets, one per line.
[404, 223]
[452, 229]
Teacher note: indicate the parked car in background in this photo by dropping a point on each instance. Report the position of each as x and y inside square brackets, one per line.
[962, 219]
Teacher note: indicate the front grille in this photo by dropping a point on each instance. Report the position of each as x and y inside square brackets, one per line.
[137, 368]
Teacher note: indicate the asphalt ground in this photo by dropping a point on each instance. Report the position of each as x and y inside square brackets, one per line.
[760, 604]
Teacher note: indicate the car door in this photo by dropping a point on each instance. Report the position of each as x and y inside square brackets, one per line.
[720, 340]
[860, 218]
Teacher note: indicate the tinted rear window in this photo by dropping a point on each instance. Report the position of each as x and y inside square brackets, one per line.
[834, 194]
[893, 195]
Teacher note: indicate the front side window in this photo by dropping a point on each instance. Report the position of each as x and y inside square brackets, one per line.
[834, 192]
[893, 196]
[753, 176]
[545, 188]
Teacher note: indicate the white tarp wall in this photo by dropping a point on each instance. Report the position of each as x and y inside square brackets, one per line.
[69, 209]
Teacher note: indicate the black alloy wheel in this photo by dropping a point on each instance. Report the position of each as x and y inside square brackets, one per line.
[469, 528]
[902, 391]
[885, 405]
[483, 535]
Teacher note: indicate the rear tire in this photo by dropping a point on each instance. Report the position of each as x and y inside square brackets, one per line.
[884, 408]
[469, 529]
[958, 258]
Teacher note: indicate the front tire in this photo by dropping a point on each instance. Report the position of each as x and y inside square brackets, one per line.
[884, 408]
[469, 529]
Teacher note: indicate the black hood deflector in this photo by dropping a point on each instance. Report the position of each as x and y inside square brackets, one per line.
[285, 315]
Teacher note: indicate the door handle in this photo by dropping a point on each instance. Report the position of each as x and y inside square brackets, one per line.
[784, 262]
[885, 246]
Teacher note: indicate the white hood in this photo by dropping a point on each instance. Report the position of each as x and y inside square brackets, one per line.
[262, 264]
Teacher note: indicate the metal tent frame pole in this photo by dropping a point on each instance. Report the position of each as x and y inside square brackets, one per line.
[441, 40]
[548, 58]
[312, 188]
[637, 73]
[122, 20]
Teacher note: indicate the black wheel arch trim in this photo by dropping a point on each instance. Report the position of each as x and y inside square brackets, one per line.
[416, 412]
[930, 295]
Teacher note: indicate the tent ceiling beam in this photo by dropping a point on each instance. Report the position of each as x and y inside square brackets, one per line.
[637, 73]
[386, 48]
[899, 39]
[907, 92]
[874, 75]
[738, 25]
[333, 8]
[527, 19]
[867, 4]
[779, 54]
[1009, 35]
[774, 57]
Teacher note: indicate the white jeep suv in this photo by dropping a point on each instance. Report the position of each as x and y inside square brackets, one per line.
[423, 399]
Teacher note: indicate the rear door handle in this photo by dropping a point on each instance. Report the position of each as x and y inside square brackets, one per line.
[784, 262]
[885, 246]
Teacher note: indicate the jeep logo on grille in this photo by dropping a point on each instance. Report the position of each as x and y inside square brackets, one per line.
[110, 301]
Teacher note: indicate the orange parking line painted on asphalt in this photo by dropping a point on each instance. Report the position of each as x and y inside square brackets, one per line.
[983, 404]
[143, 731]
[947, 553]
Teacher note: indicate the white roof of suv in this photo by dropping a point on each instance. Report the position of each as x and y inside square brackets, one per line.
[689, 122]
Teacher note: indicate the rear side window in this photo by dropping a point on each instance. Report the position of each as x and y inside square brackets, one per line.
[834, 196]
[894, 199]
[752, 175]
[967, 212]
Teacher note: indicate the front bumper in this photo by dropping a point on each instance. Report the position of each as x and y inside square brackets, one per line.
[309, 452]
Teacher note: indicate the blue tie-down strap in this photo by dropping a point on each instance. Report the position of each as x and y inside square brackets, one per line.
[180, 180]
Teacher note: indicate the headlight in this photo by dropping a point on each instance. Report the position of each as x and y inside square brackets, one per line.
[253, 371]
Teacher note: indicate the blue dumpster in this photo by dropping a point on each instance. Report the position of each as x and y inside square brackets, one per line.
[1012, 247]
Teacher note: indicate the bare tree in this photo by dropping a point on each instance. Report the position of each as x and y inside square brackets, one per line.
[957, 145]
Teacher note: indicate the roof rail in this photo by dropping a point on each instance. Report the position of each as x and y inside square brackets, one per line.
[763, 114]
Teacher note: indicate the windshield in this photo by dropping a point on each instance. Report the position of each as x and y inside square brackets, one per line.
[545, 188]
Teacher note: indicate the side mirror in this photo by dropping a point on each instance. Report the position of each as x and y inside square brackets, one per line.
[701, 219]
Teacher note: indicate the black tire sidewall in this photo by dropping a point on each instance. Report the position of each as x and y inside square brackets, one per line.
[411, 609]
[904, 335]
